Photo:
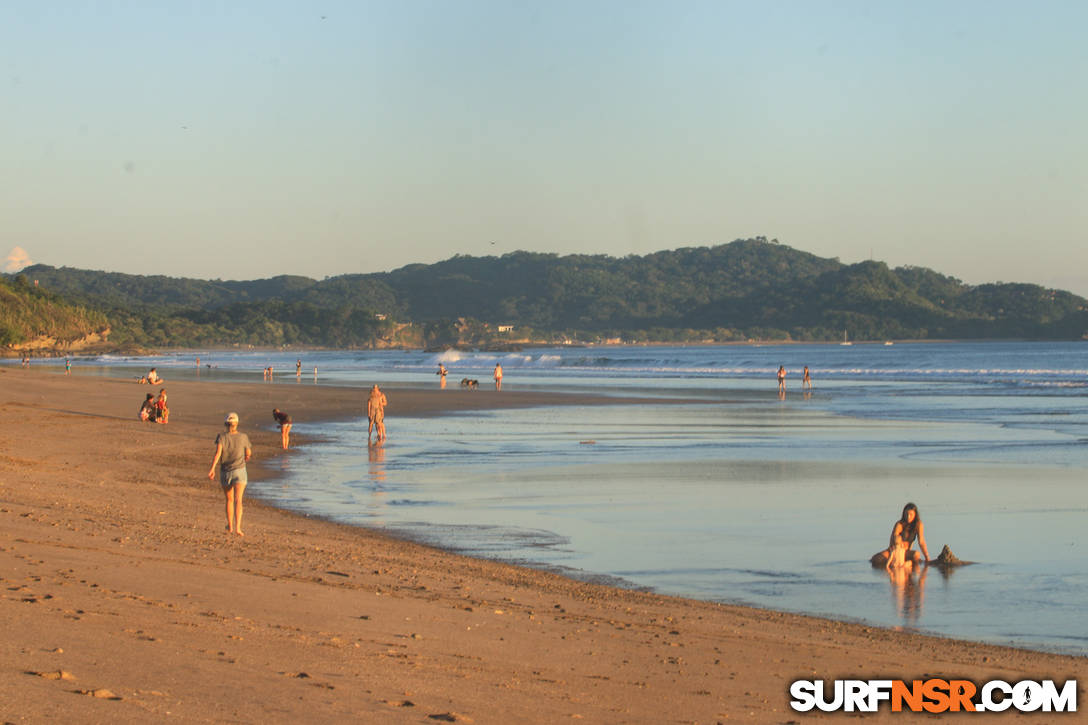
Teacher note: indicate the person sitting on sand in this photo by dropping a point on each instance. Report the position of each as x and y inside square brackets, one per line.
[153, 377]
[899, 554]
[375, 413]
[147, 410]
[284, 421]
[232, 452]
[162, 413]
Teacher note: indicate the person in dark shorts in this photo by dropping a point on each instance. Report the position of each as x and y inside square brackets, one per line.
[284, 421]
[232, 451]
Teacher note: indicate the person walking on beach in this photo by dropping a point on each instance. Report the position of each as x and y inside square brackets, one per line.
[375, 413]
[232, 453]
[806, 379]
[298, 368]
[284, 421]
[781, 380]
[899, 555]
[67, 366]
[498, 376]
[441, 375]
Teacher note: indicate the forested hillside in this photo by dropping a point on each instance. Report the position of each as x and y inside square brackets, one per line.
[748, 289]
[31, 317]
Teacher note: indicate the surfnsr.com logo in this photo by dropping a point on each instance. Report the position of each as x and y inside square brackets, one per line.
[934, 695]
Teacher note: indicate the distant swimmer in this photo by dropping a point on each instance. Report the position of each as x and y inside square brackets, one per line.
[781, 379]
[498, 376]
[899, 555]
[806, 380]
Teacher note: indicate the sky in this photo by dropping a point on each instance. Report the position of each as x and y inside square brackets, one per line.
[249, 139]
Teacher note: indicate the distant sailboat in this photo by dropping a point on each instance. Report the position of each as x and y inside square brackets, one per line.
[845, 341]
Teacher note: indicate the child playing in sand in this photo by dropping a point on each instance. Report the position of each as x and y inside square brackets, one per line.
[162, 413]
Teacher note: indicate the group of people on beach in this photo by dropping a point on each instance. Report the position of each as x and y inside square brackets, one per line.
[806, 379]
[155, 410]
[233, 450]
[496, 375]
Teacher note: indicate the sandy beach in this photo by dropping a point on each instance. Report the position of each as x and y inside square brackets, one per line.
[124, 600]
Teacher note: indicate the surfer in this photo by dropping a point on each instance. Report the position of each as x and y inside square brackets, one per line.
[899, 554]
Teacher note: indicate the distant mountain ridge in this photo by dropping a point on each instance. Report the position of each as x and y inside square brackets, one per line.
[752, 288]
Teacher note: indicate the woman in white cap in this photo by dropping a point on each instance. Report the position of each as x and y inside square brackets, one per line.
[232, 452]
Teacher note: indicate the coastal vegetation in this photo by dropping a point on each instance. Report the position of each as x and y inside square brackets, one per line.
[34, 318]
[752, 289]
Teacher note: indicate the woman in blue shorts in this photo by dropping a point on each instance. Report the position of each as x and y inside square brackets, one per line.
[232, 452]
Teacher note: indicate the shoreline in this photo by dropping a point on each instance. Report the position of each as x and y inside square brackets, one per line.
[128, 547]
[53, 353]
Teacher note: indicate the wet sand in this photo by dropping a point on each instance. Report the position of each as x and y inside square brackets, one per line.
[116, 572]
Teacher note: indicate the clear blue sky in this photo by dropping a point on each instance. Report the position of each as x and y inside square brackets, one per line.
[248, 139]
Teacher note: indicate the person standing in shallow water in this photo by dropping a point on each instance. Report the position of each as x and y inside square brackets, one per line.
[498, 376]
[232, 452]
[806, 379]
[781, 380]
[284, 421]
[375, 413]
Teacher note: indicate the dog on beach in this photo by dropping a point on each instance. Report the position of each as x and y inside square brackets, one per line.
[469, 383]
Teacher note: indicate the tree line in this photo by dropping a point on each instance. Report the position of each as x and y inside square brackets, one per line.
[747, 289]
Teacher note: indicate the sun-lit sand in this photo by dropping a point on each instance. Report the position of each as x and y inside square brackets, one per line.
[123, 599]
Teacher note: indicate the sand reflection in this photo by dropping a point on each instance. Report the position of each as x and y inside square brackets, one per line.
[908, 594]
[376, 457]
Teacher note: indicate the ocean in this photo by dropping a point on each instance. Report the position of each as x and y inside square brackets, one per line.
[724, 490]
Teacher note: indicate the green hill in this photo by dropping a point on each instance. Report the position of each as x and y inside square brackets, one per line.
[31, 317]
[752, 288]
